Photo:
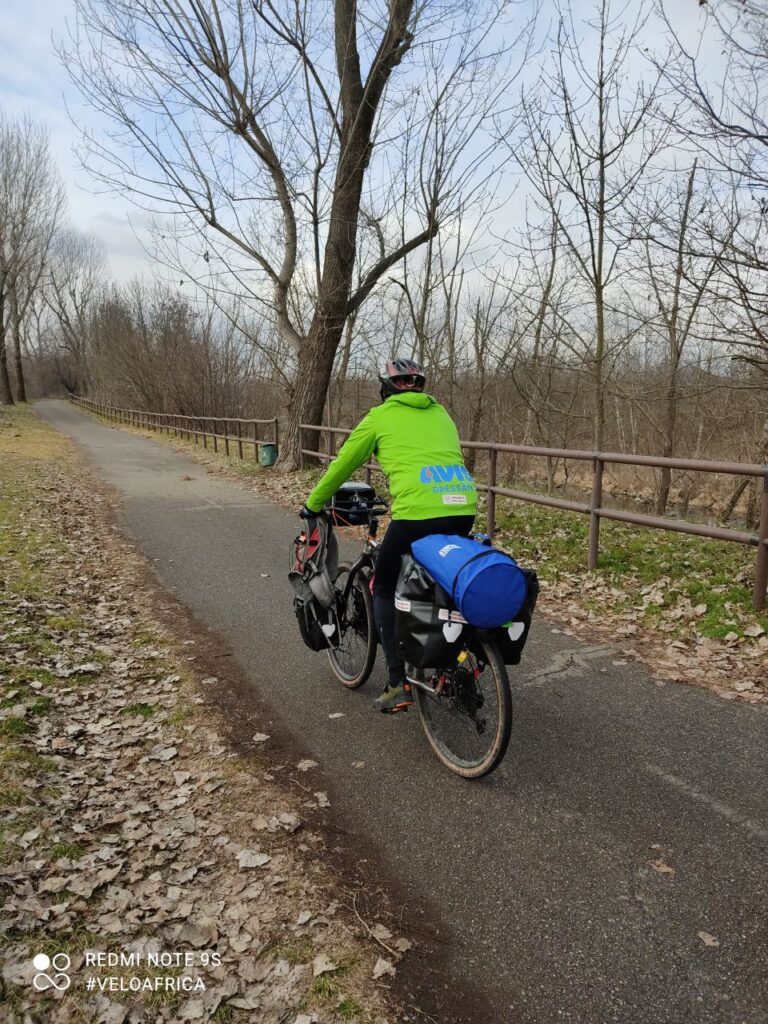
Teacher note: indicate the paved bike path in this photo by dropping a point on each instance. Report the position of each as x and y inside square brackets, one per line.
[543, 871]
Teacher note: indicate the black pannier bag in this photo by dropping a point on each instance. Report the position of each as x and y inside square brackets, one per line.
[314, 564]
[511, 640]
[312, 617]
[350, 504]
[430, 633]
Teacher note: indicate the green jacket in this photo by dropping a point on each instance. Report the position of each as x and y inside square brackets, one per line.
[417, 445]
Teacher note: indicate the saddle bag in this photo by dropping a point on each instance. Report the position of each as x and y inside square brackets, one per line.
[486, 585]
[428, 630]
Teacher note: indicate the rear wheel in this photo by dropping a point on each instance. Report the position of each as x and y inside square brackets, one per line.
[352, 661]
[466, 712]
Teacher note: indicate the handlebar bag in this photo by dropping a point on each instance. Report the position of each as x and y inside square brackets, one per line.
[486, 585]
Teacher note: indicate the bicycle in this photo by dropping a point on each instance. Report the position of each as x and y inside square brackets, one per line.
[464, 709]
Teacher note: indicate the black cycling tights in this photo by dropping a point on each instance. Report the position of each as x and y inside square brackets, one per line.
[401, 533]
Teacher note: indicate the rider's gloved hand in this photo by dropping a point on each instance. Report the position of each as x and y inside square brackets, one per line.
[307, 513]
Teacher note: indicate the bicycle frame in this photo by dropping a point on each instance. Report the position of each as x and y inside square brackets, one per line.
[367, 557]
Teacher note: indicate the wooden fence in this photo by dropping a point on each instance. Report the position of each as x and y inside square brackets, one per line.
[595, 508]
[242, 432]
[230, 430]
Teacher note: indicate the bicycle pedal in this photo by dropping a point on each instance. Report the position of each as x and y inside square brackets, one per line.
[395, 711]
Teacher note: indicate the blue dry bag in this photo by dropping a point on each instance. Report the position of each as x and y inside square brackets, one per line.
[488, 587]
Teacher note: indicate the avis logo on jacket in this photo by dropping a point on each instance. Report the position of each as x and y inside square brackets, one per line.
[444, 474]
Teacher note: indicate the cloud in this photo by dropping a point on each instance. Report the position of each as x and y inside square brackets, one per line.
[33, 81]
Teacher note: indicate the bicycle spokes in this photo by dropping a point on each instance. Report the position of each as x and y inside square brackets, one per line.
[466, 713]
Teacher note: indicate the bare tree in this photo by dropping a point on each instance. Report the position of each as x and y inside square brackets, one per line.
[31, 206]
[587, 146]
[681, 275]
[726, 114]
[229, 117]
[726, 117]
[74, 285]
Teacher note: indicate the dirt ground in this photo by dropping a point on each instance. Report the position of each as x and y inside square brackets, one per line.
[156, 867]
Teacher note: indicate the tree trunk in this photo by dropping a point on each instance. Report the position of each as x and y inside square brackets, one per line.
[318, 349]
[598, 430]
[750, 516]
[21, 390]
[6, 395]
[733, 501]
[341, 376]
[476, 422]
[551, 469]
[308, 400]
[668, 450]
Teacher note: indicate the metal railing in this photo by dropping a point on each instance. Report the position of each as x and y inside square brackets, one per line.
[232, 431]
[595, 508]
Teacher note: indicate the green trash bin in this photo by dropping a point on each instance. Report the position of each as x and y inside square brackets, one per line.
[267, 454]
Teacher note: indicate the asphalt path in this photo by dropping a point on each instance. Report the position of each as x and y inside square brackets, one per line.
[544, 871]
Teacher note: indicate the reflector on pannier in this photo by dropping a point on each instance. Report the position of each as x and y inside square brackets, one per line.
[511, 637]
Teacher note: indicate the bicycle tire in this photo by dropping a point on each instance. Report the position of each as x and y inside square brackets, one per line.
[353, 676]
[498, 747]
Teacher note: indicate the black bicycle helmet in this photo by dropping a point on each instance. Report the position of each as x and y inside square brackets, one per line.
[401, 374]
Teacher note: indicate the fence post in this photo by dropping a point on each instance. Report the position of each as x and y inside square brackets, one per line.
[490, 525]
[761, 562]
[594, 518]
[277, 435]
[240, 439]
[215, 439]
[226, 437]
[302, 460]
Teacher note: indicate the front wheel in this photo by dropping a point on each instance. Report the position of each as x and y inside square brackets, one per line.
[352, 659]
[466, 711]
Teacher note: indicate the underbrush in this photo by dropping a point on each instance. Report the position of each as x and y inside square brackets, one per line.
[653, 571]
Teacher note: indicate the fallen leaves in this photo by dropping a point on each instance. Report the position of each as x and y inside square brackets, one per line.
[707, 939]
[161, 753]
[661, 867]
[124, 825]
[252, 859]
[384, 968]
[322, 965]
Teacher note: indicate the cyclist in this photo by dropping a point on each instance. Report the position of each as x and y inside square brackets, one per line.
[417, 445]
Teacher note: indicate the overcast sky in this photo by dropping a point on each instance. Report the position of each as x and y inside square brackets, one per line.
[32, 80]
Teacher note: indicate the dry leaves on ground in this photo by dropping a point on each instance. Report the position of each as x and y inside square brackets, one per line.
[129, 824]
